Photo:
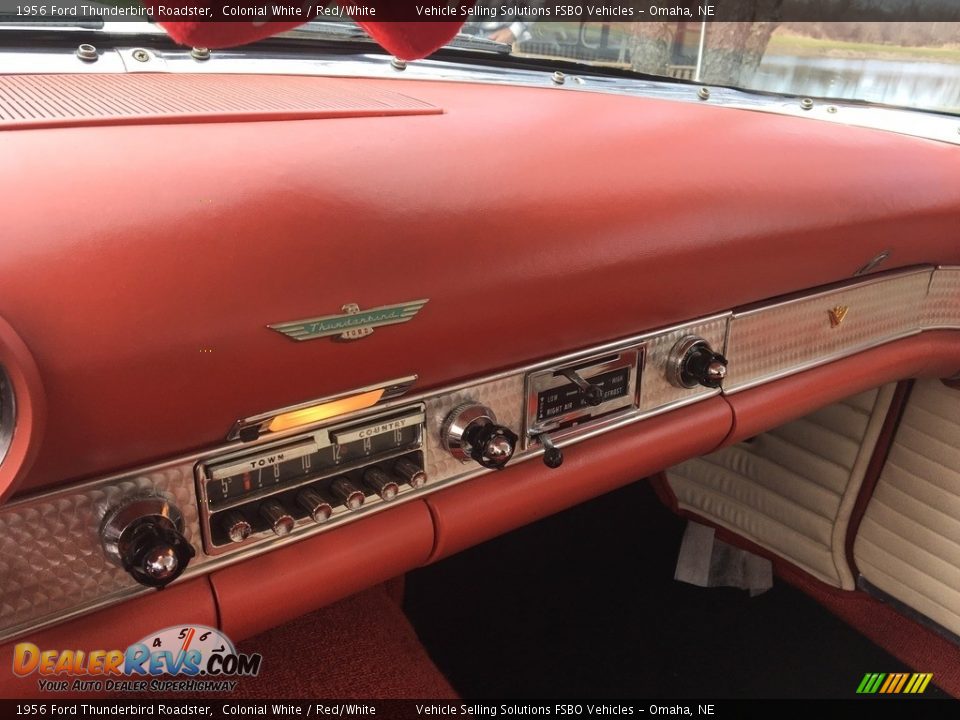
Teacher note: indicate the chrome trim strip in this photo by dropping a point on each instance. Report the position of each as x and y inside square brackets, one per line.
[258, 423]
[917, 123]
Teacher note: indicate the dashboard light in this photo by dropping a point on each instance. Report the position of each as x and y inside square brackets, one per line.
[324, 411]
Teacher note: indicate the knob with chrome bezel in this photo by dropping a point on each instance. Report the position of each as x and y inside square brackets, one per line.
[693, 362]
[470, 432]
[144, 535]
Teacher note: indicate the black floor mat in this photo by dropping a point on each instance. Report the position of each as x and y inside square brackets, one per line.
[583, 604]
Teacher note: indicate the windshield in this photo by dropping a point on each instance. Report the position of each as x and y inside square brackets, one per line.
[907, 64]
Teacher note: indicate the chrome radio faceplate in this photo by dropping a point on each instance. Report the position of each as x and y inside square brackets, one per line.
[256, 495]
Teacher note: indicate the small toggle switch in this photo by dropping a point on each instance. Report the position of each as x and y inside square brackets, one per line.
[552, 455]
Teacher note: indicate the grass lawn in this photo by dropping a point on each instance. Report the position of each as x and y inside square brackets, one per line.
[803, 46]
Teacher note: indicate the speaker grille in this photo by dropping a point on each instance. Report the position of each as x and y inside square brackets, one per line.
[30, 101]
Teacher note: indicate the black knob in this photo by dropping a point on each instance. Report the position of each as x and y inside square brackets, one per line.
[144, 536]
[491, 445]
[693, 362]
[157, 554]
[552, 455]
[705, 367]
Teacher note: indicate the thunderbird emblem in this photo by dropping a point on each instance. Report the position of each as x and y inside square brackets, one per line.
[837, 315]
[353, 324]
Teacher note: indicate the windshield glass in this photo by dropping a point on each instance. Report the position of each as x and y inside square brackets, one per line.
[907, 64]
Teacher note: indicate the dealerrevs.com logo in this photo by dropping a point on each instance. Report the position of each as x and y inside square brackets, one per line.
[203, 656]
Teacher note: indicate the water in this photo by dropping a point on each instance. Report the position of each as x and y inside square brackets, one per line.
[929, 85]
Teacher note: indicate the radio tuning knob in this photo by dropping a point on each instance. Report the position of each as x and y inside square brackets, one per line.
[237, 526]
[470, 432]
[144, 536]
[693, 362]
[278, 519]
[315, 504]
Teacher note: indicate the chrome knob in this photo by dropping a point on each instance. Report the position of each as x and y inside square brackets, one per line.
[237, 526]
[410, 472]
[470, 432]
[693, 362]
[315, 504]
[384, 485]
[144, 536]
[278, 519]
[348, 493]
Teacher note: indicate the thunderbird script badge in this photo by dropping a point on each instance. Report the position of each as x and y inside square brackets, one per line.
[353, 324]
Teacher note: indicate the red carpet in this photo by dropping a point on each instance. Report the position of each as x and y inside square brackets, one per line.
[362, 647]
[921, 649]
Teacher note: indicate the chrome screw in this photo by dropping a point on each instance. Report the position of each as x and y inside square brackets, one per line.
[831, 108]
[200, 53]
[141, 55]
[87, 53]
[398, 64]
[703, 93]
[806, 104]
[558, 78]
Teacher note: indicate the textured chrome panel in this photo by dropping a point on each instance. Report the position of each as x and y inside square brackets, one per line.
[942, 308]
[50, 556]
[797, 334]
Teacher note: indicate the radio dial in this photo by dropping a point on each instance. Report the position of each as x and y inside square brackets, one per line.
[471, 432]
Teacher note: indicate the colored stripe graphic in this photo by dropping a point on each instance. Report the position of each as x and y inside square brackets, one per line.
[894, 683]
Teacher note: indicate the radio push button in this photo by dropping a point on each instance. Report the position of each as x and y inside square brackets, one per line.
[347, 493]
[278, 519]
[384, 485]
[315, 504]
[236, 526]
[410, 472]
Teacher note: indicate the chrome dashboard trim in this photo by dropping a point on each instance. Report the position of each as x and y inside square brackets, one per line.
[373, 65]
[392, 389]
[37, 533]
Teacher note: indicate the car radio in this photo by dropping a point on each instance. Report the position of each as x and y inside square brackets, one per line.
[310, 479]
